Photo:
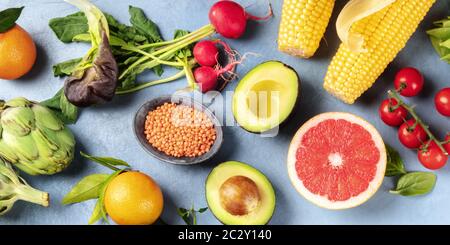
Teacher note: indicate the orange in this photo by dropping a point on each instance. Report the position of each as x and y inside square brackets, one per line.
[133, 198]
[17, 53]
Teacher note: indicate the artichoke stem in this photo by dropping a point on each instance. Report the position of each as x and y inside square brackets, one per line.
[30, 194]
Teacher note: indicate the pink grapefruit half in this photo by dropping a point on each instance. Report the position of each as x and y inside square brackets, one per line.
[337, 160]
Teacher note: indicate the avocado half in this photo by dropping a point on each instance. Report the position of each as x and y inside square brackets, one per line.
[239, 194]
[266, 96]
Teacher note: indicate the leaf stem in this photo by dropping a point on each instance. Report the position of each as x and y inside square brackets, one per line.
[169, 50]
[151, 83]
[410, 109]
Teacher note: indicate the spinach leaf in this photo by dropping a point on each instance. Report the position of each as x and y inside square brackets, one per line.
[66, 28]
[395, 164]
[144, 25]
[8, 18]
[88, 188]
[65, 68]
[185, 52]
[124, 32]
[59, 104]
[416, 183]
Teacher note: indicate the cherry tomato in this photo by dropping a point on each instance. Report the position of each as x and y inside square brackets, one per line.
[431, 156]
[392, 117]
[442, 102]
[411, 136]
[410, 81]
[447, 146]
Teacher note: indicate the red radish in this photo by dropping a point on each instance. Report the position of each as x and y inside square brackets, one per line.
[206, 53]
[207, 77]
[230, 19]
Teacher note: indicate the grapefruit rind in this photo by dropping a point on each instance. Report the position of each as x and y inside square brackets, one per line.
[322, 201]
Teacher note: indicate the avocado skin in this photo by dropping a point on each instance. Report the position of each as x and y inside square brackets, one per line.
[216, 216]
[297, 100]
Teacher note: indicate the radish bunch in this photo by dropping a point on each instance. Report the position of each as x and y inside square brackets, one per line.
[229, 20]
[206, 54]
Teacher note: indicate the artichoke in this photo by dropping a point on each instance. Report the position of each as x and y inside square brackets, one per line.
[33, 138]
[14, 188]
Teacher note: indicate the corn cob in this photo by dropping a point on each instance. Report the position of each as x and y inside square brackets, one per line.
[303, 23]
[385, 33]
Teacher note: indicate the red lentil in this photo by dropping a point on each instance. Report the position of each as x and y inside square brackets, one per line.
[179, 130]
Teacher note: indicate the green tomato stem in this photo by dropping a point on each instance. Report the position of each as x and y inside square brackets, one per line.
[151, 83]
[410, 109]
[30, 194]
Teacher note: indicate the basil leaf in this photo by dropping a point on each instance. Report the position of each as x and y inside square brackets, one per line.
[96, 214]
[395, 164]
[144, 25]
[65, 68]
[8, 18]
[66, 28]
[108, 162]
[416, 183]
[88, 188]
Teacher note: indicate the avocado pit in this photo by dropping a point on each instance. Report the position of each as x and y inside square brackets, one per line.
[239, 195]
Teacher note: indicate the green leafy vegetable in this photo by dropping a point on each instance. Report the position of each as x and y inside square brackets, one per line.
[416, 183]
[395, 164]
[66, 28]
[65, 110]
[440, 38]
[189, 216]
[144, 25]
[66, 68]
[8, 18]
[88, 188]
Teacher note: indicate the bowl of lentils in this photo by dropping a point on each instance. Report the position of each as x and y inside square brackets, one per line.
[178, 130]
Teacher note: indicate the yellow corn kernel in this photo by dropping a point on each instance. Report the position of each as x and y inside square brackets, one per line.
[385, 33]
[303, 23]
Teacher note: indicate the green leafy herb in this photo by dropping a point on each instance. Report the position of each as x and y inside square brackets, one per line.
[8, 18]
[189, 216]
[395, 164]
[88, 188]
[144, 25]
[416, 183]
[108, 162]
[66, 111]
[65, 68]
[440, 38]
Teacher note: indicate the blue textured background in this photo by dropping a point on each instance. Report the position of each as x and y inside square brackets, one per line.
[107, 129]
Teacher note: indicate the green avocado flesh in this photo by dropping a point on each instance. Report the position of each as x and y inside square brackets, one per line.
[238, 194]
[266, 96]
